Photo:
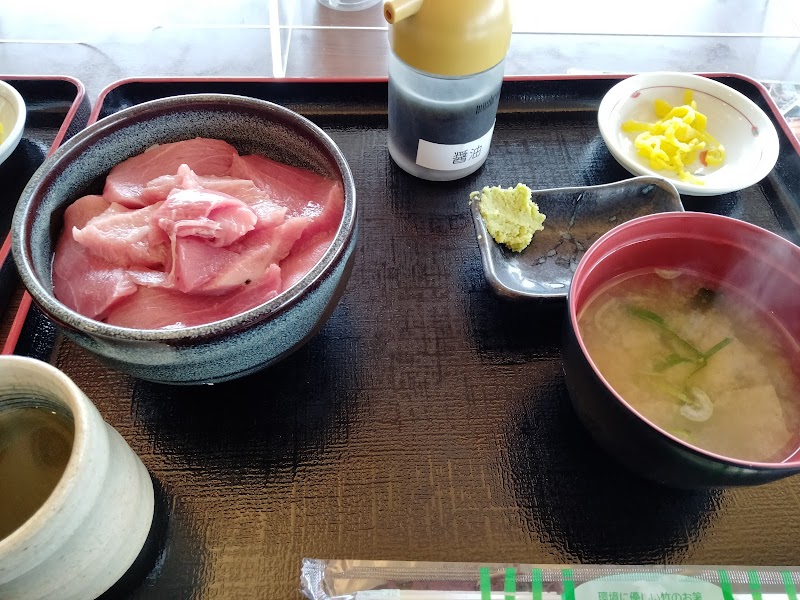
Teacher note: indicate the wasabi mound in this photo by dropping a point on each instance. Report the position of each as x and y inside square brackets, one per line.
[511, 217]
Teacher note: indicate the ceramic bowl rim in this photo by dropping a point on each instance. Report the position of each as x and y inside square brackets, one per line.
[583, 270]
[14, 135]
[81, 417]
[747, 108]
[71, 151]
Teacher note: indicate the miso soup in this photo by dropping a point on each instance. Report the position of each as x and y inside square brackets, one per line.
[699, 360]
[36, 439]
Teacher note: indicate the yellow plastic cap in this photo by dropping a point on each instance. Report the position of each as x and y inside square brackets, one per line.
[449, 37]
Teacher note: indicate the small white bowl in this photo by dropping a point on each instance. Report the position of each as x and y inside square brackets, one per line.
[747, 133]
[12, 116]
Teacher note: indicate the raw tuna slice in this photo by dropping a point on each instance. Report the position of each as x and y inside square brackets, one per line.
[254, 254]
[185, 179]
[126, 181]
[157, 308]
[149, 277]
[83, 282]
[303, 192]
[196, 261]
[326, 221]
[217, 217]
[83, 210]
[300, 190]
[315, 240]
[268, 212]
[159, 188]
[302, 260]
[124, 237]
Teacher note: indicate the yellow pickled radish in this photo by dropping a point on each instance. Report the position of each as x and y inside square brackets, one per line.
[662, 108]
[677, 139]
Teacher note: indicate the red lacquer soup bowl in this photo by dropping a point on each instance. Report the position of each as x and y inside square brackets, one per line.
[761, 266]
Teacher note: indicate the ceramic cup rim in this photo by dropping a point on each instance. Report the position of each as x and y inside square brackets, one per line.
[78, 405]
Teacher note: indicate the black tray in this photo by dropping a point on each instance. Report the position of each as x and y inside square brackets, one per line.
[428, 420]
[57, 109]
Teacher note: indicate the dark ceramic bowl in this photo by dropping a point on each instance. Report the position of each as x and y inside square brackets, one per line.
[224, 349]
[726, 249]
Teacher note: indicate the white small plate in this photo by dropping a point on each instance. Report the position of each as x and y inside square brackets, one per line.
[12, 116]
[747, 133]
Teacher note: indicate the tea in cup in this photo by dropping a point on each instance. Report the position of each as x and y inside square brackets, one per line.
[76, 503]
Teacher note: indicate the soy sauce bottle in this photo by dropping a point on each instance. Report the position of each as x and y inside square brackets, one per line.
[445, 74]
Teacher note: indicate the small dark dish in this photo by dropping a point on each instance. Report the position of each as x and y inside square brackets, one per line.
[576, 218]
[224, 349]
[725, 249]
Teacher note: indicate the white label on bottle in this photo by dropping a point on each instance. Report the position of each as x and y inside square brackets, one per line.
[450, 157]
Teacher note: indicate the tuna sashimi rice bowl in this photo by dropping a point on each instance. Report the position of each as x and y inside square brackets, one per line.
[187, 232]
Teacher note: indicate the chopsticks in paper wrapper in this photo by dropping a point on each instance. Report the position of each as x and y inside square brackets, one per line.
[396, 580]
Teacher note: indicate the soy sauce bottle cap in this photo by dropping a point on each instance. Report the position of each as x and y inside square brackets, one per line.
[449, 37]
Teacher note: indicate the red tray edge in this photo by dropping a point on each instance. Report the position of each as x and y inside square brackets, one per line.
[19, 319]
[191, 79]
[554, 77]
[80, 93]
